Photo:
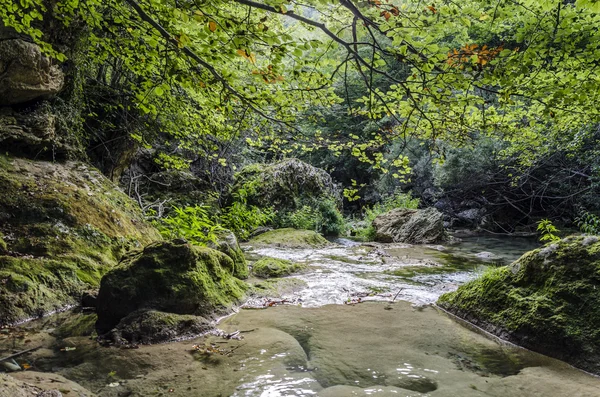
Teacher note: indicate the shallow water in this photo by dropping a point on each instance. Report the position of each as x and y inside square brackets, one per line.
[382, 272]
[393, 346]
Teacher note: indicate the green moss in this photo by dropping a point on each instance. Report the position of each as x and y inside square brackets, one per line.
[227, 243]
[290, 238]
[67, 226]
[277, 287]
[151, 326]
[170, 277]
[3, 246]
[548, 301]
[272, 267]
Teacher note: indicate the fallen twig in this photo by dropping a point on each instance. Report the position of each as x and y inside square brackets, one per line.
[19, 353]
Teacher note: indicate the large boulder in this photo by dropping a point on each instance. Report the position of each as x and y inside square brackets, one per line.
[289, 238]
[412, 226]
[547, 301]
[63, 226]
[26, 74]
[173, 277]
[284, 185]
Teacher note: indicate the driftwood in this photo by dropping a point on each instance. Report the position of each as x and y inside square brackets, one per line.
[19, 353]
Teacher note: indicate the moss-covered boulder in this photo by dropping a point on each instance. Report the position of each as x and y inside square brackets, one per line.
[172, 277]
[290, 238]
[268, 267]
[151, 326]
[547, 301]
[227, 243]
[284, 185]
[64, 225]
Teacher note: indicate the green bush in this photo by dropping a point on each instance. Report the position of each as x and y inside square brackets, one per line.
[194, 224]
[588, 223]
[242, 219]
[322, 216]
[401, 200]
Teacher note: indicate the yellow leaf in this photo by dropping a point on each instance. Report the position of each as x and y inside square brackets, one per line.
[212, 26]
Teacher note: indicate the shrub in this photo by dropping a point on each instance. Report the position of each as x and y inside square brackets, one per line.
[242, 219]
[195, 224]
[322, 216]
[588, 223]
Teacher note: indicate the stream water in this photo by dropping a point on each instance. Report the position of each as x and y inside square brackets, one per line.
[357, 323]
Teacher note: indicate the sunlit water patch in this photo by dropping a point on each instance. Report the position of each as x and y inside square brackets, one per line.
[350, 271]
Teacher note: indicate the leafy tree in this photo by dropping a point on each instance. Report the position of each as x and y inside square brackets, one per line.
[521, 72]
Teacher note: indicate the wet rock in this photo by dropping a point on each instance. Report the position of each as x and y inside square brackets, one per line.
[547, 301]
[26, 74]
[411, 226]
[274, 267]
[469, 217]
[290, 238]
[486, 255]
[150, 326]
[260, 230]
[169, 277]
[63, 224]
[39, 384]
[89, 299]
[227, 243]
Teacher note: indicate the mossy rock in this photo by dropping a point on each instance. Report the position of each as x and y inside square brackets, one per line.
[64, 226]
[290, 238]
[172, 277]
[227, 243]
[277, 287]
[547, 301]
[284, 184]
[273, 267]
[151, 326]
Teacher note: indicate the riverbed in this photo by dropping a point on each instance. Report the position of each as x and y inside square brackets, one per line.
[359, 321]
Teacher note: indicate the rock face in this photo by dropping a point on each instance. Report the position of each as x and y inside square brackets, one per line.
[171, 277]
[62, 225]
[284, 184]
[273, 267]
[547, 301]
[26, 74]
[290, 238]
[411, 226]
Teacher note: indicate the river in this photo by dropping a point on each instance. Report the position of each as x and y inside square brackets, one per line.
[358, 321]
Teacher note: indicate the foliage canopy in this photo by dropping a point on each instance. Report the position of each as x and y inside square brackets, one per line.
[524, 71]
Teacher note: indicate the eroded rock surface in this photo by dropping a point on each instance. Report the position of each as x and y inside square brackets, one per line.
[26, 74]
